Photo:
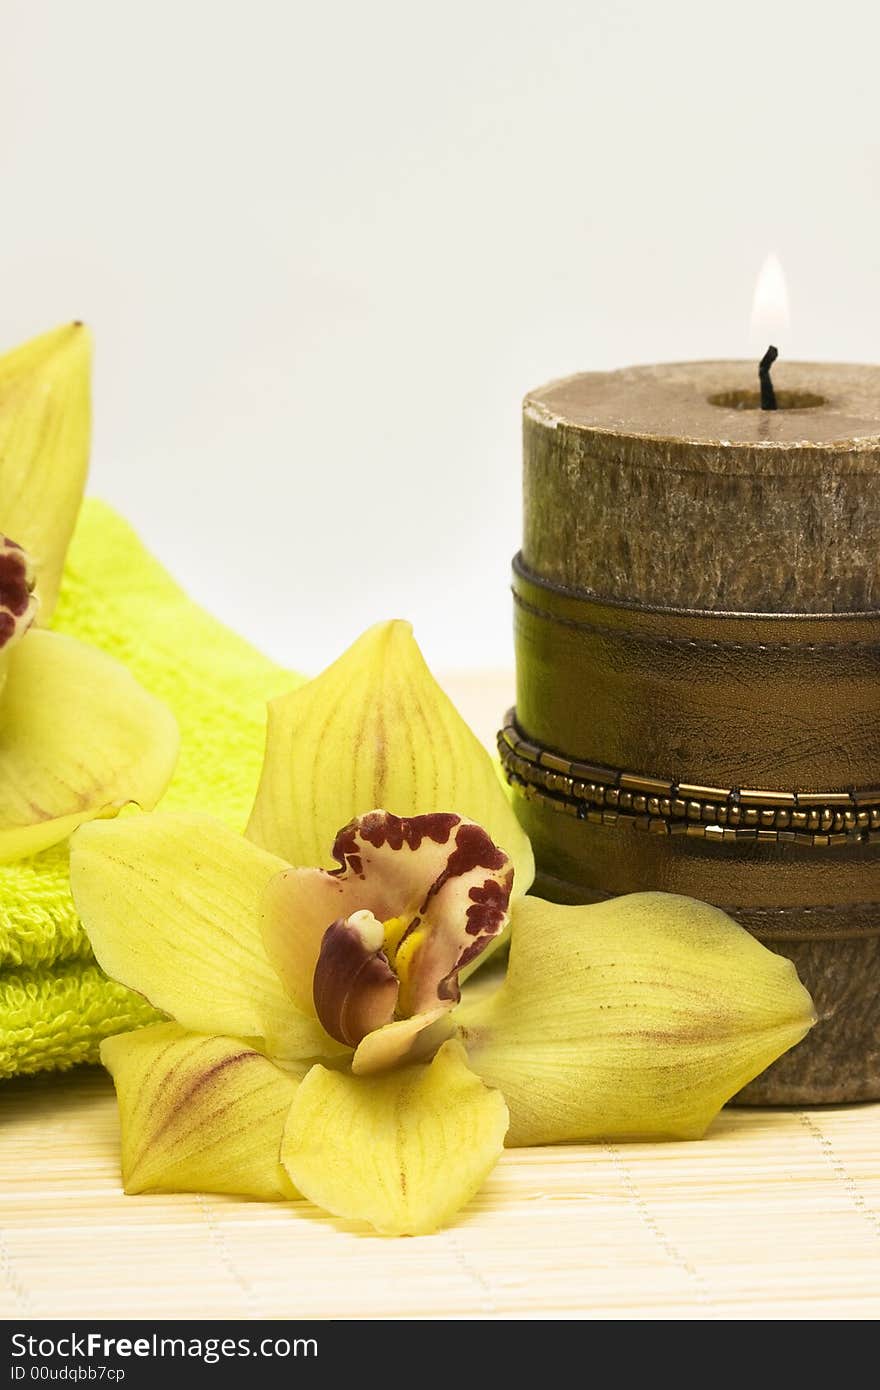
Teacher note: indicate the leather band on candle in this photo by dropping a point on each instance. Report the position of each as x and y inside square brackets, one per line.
[739, 738]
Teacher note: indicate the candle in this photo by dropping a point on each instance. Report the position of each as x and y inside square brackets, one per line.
[698, 667]
[668, 484]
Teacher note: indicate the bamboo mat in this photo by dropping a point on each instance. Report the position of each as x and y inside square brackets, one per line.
[776, 1214]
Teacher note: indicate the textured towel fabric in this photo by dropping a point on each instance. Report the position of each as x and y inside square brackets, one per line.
[55, 1005]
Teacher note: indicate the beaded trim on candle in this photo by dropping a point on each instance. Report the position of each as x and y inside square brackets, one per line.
[609, 796]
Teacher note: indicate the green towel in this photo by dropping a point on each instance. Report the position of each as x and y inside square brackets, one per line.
[55, 1004]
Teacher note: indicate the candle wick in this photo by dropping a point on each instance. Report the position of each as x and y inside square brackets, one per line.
[768, 395]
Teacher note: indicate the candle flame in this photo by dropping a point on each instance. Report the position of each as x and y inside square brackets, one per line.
[770, 317]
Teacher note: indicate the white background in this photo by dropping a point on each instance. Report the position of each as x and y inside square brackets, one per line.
[326, 248]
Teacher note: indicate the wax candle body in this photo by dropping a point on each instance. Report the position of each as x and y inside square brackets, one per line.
[667, 488]
[638, 486]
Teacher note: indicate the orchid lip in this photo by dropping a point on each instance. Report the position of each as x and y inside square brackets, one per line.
[379, 964]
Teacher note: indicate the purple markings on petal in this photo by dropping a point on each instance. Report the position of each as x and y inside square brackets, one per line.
[379, 828]
[355, 989]
[487, 913]
[346, 851]
[18, 606]
[202, 1080]
[474, 849]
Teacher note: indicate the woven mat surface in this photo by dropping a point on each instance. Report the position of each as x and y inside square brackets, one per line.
[775, 1215]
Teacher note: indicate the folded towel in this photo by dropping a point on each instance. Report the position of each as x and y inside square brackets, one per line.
[55, 1004]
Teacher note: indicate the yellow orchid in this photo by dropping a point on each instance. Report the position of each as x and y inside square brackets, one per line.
[79, 737]
[318, 1044]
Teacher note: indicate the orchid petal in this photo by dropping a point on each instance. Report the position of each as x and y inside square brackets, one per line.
[45, 427]
[630, 1019]
[170, 903]
[198, 1114]
[404, 1039]
[375, 729]
[403, 1151]
[79, 738]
